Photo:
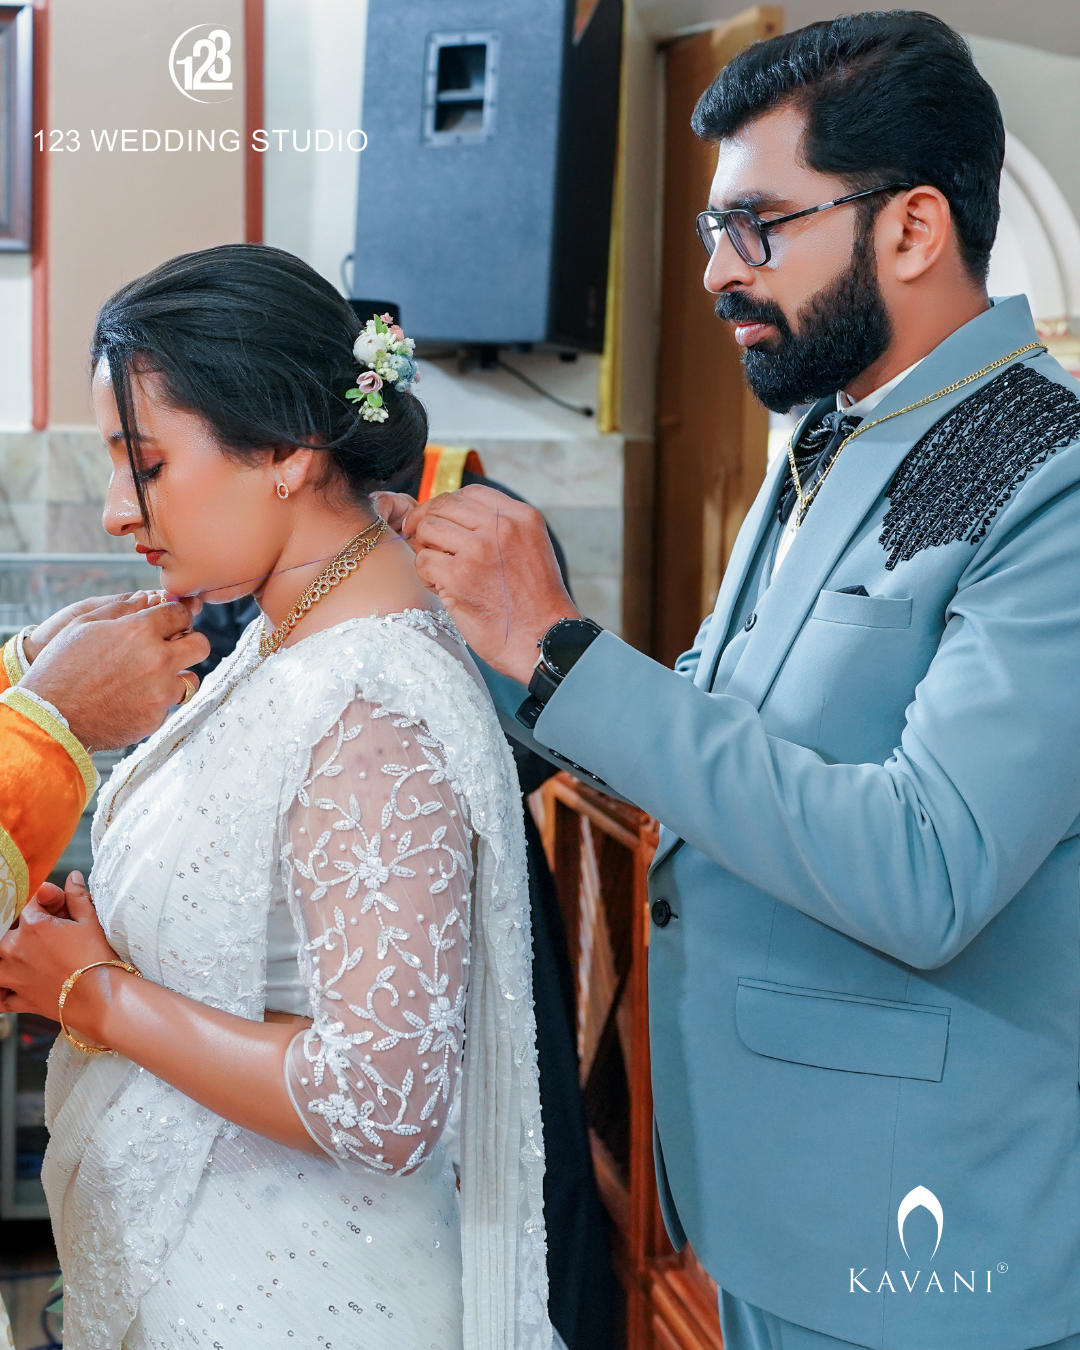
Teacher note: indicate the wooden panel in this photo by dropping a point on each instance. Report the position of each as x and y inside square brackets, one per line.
[601, 850]
[712, 435]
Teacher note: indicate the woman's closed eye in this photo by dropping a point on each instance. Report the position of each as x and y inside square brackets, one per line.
[148, 475]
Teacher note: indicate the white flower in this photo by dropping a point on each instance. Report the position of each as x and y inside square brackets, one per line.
[367, 347]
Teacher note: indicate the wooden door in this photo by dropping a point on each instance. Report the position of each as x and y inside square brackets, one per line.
[712, 434]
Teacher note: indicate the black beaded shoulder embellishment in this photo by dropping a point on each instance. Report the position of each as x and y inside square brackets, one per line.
[964, 470]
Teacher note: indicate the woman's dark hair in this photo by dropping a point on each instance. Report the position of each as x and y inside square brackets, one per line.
[889, 96]
[260, 345]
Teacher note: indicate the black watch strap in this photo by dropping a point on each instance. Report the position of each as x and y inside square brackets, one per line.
[561, 647]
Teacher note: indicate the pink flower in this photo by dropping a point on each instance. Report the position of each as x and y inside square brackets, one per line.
[396, 333]
[388, 319]
[369, 382]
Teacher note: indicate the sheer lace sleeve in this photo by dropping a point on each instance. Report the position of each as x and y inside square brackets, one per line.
[378, 862]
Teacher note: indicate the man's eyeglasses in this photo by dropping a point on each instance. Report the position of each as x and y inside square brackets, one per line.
[750, 234]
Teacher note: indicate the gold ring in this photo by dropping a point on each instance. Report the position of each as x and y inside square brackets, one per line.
[191, 688]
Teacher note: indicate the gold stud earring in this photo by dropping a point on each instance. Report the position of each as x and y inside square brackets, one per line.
[283, 490]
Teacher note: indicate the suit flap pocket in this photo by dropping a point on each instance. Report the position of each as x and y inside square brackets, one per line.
[863, 611]
[842, 1031]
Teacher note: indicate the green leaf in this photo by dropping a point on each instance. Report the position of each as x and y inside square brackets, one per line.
[374, 399]
[354, 394]
[380, 327]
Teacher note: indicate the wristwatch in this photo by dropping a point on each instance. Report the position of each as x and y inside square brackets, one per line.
[561, 647]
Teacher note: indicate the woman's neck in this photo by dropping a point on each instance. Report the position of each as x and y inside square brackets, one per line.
[384, 583]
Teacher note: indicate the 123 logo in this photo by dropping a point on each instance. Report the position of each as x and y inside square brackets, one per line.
[200, 65]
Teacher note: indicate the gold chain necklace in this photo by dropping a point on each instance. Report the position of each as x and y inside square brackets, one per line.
[346, 561]
[805, 498]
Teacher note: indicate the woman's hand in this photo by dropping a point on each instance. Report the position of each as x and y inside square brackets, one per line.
[57, 933]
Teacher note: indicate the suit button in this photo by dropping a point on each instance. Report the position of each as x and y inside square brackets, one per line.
[662, 913]
[750, 622]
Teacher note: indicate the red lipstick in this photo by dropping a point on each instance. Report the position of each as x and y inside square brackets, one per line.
[153, 555]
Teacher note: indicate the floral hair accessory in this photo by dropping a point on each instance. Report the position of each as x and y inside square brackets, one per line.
[386, 355]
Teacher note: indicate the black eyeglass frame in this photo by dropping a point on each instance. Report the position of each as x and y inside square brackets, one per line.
[719, 219]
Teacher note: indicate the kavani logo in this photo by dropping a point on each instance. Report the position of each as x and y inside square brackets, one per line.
[920, 1198]
[921, 1281]
[200, 65]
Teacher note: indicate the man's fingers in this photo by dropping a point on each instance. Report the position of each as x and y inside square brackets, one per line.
[393, 507]
[168, 619]
[115, 607]
[189, 649]
[466, 510]
[443, 533]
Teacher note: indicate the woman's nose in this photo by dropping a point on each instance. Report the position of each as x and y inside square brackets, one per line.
[123, 514]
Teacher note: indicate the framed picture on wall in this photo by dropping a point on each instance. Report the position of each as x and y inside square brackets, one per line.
[16, 112]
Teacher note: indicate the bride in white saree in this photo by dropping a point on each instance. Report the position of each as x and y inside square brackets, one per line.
[317, 868]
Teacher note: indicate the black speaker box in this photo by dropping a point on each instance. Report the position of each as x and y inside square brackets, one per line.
[486, 186]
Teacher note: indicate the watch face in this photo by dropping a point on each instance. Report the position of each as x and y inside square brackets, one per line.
[566, 642]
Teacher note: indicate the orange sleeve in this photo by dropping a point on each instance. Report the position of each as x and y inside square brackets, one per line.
[46, 778]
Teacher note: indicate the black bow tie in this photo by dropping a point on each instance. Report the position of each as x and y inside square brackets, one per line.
[814, 453]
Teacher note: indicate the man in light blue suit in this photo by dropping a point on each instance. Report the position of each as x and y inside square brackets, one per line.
[865, 942]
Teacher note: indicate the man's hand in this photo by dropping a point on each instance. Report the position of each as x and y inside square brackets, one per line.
[114, 671]
[393, 507]
[490, 561]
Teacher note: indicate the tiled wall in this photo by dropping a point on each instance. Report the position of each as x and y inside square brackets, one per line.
[52, 490]
[578, 485]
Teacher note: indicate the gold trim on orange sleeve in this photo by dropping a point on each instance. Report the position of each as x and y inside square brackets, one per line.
[12, 665]
[13, 698]
[14, 880]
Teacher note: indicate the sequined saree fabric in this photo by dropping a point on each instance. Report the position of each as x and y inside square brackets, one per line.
[360, 778]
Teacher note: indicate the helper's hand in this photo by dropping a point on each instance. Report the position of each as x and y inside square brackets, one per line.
[57, 933]
[490, 561]
[393, 507]
[45, 632]
[114, 671]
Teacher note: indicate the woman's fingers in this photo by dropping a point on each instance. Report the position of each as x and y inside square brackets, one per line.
[77, 894]
[53, 900]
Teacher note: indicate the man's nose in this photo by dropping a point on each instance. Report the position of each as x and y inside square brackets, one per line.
[726, 268]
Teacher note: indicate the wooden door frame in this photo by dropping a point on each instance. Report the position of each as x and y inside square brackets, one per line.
[711, 433]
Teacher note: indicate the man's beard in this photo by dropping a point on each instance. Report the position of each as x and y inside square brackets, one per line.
[842, 329]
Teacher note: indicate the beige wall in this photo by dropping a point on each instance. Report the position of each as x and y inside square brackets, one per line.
[114, 215]
[1051, 24]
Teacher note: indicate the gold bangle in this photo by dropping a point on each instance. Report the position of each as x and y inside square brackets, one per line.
[69, 985]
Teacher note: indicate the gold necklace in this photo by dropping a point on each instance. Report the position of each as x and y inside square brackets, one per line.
[805, 499]
[346, 561]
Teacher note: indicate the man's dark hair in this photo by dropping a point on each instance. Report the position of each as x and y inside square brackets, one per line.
[889, 96]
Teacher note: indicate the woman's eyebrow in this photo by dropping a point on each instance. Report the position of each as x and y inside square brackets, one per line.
[117, 438]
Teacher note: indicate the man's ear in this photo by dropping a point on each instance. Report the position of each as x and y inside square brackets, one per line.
[918, 228]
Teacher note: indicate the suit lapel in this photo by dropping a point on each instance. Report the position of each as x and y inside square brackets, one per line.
[859, 477]
[747, 542]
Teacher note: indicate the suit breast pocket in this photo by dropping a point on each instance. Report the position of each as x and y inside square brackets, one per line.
[848, 1032]
[863, 611]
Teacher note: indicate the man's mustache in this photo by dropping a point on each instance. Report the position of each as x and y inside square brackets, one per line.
[734, 307]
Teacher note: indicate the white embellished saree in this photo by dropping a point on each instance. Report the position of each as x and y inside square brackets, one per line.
[354, 792]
